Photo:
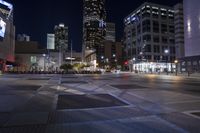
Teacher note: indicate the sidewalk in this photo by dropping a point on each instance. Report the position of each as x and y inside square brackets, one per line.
[184, 75]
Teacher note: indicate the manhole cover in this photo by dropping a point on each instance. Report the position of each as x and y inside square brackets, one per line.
[129, 86]
[38, 79]
[74, 82]
[88, 101]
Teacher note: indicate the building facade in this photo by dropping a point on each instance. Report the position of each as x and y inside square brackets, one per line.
[149, 38]
[191, 62]
[112, 55]
[94, 16]
[29, 57]
[179, 30]
[110, 32]
[192, 27]
[23, 37]
[7, 35]
[61, 37]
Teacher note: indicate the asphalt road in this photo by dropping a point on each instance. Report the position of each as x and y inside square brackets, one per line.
[107, 103]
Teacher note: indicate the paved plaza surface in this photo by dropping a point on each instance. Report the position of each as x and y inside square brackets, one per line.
[107, 103]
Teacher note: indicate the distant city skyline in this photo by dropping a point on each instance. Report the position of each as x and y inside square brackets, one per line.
[37, 18]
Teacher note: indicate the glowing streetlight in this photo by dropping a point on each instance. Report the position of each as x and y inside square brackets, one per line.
[176, 62]
[44, 55]
[166, 52]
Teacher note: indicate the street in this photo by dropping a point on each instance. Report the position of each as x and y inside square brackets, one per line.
[107, 103]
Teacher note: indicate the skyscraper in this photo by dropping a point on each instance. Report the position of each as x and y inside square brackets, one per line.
[149, 37]
[94, 16]
[192, 27]
[7, 34]
[191, 61]
[110, 32]
[179, 30]
[61, 37]
[61, 41]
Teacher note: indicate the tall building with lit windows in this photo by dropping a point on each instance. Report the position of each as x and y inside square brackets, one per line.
[110, 32]
[94, 16]
[149, 38]
[179, 30]
[7, 35]
[192, 27]
[191, 62]
[61, 37]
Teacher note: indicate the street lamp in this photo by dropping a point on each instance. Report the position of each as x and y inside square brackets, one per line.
[116, 63]
[166, 52]
[176, 62]
[133, 62]
[44, 55]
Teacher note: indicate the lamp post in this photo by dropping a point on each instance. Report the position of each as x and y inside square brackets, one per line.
[134, 59]
[71, 53]
[114, 56]
[166, 52]
[102, 60]
[116, 63]
[44, 55]
[176, 63]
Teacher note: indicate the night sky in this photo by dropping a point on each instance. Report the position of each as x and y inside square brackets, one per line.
[38, 17]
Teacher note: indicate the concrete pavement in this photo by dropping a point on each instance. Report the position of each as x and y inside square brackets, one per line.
[109, 103]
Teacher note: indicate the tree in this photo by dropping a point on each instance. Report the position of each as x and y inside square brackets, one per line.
[66, 67]
[78, 66]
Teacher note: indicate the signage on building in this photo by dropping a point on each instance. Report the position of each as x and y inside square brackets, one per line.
[2, 27]
[33, 59]
[50, 41]
[102, 24]
[6, 6]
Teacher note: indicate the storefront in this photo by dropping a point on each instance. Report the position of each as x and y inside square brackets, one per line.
[152, 67]
[189, 64]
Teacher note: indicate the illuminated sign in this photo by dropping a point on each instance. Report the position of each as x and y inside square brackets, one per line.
[33, 59]
[2, 28]
[8, 5]
[102, 24]
[50, 41]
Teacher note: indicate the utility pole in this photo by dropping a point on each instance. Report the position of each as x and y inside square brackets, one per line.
[71, 52]
[60, 56]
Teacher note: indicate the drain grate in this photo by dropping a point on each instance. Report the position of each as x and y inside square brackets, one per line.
[129, 86]
[74, 82]
[88, 101]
